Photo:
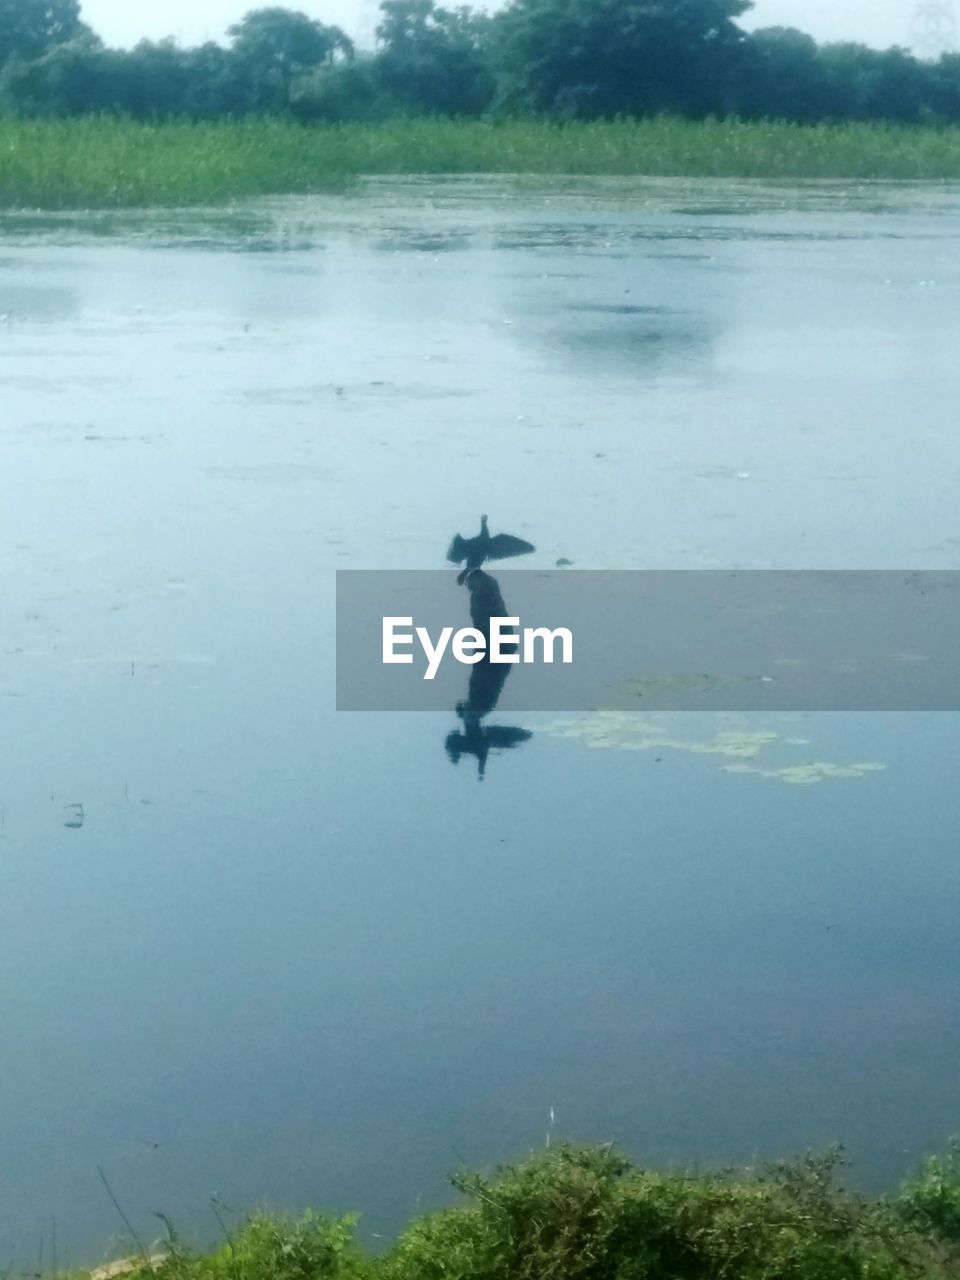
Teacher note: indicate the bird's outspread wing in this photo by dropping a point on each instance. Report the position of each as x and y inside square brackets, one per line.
[504, 737]
[457, 551]
[504, 545]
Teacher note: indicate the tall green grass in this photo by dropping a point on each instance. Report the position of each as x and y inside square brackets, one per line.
[103, 162]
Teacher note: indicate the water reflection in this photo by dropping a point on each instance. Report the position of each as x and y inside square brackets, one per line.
[486, 678]
[478, 741]
[640, 339]
[405, 240]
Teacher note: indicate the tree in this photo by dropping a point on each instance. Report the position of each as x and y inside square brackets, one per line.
[159, 79]
[28, 28]
[781, 76]
[435, 60]
[344, 91]
[904, 88]
[946, 88]
[217, 85]
[621, 57]
[278, 44]
[67, 80]
[155, 80]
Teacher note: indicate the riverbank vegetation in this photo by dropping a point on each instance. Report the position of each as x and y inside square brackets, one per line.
[559, 59]
[288, 105]
[104, 162]
[589, 1214]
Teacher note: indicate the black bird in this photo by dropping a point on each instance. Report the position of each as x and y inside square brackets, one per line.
[474, 551]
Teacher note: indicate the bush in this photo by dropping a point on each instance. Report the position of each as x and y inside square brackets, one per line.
[590, 1215]
[312, 1247]
[932, 1200]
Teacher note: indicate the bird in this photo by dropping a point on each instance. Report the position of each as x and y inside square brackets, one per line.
[472, 552]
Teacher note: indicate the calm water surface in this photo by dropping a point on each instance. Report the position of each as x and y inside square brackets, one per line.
[288, 956]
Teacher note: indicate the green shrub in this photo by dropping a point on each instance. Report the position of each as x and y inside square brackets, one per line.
[932, 1199]
[312, 1247]
[589, 1215]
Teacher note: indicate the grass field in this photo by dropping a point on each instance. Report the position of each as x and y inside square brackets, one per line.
[588, 1214]
[102, 163]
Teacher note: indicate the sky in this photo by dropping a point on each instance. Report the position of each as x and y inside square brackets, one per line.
[877, 22]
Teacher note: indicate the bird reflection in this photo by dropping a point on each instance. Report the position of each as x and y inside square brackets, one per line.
[486, 678]
[474, 551]
[478, 741]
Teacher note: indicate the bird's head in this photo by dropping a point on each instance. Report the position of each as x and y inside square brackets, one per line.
[483, 523]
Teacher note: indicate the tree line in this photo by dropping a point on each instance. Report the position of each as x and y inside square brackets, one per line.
[563, 59]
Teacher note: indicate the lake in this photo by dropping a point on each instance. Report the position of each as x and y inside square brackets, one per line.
[256, 949]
